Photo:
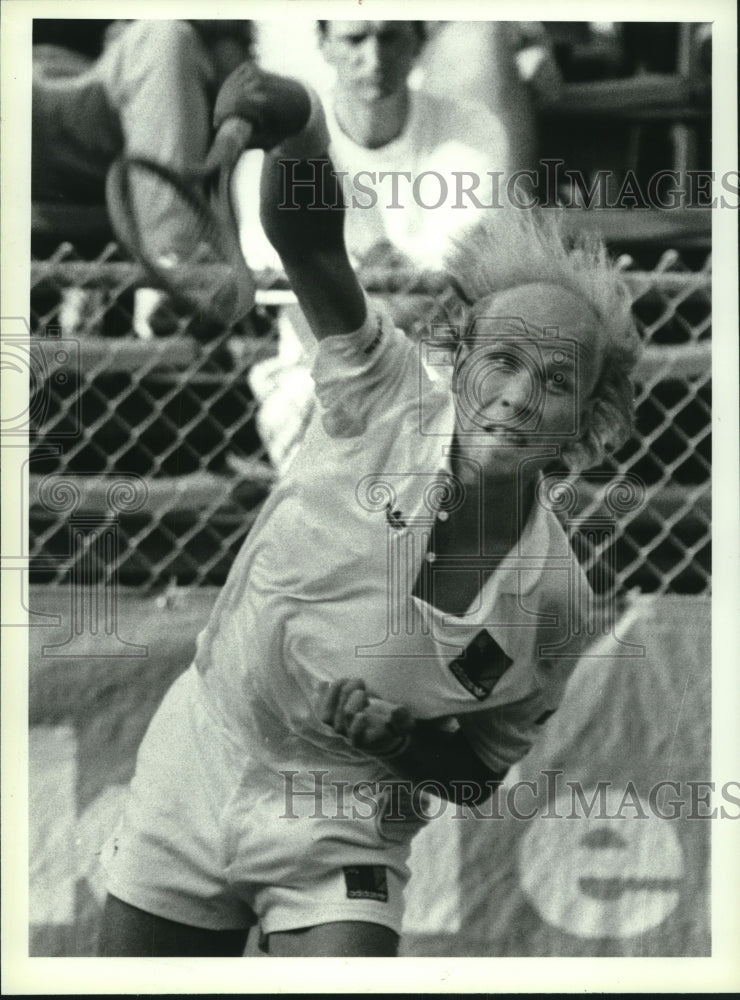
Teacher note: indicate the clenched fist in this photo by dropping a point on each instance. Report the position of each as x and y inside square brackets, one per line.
[372, 725]
[275, 106]
[260, 110]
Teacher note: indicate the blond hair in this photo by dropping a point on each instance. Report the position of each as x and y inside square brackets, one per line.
[510, 247]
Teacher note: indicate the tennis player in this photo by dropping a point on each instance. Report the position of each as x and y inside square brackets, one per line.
[406, 607]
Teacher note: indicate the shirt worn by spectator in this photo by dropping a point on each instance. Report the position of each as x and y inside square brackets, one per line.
[446, 149]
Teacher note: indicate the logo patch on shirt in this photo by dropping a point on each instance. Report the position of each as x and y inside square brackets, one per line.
[481, 666]
[366, 882]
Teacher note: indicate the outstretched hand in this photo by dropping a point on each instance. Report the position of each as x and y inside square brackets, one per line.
[371, 724]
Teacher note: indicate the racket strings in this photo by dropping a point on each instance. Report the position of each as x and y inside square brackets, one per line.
[180, 228]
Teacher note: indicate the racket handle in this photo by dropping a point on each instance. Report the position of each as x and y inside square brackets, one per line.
[231, 139]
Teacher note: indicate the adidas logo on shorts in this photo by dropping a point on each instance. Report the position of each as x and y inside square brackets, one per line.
[366, 882]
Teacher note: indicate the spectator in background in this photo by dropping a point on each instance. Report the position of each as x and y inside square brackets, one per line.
[385, 135]
[381, 125]
[150, 92]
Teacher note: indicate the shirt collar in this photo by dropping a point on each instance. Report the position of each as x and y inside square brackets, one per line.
[542, 539]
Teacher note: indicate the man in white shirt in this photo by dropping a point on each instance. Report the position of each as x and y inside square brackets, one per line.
[410, 155]
[400, 147]
[404, 579]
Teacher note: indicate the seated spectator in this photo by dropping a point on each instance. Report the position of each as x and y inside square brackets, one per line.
[380, 124]
[401, 148]
[150, 92]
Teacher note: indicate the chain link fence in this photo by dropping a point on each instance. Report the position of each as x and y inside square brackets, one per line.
[147, 466]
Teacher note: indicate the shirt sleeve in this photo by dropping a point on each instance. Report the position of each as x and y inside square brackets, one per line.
[476, 141]
[467, 146]
[354, 373]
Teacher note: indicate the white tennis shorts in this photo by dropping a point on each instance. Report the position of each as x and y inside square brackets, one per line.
[205, 841]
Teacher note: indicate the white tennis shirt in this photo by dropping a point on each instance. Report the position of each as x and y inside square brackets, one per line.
[322, 586]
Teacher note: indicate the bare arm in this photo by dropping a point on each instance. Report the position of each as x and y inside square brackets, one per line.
[301, 204]
[413, 749]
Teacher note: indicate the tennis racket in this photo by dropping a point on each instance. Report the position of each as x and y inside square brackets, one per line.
[193, 253]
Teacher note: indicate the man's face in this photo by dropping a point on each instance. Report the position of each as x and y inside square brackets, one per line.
[372, 59]
[524, 374]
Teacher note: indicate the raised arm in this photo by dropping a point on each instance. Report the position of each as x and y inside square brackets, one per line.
[301, 204]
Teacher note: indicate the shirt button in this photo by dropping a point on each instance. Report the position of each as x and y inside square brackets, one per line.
[443, 515]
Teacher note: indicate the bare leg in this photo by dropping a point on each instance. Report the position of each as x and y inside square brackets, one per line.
[128, 932]
[342, 939]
